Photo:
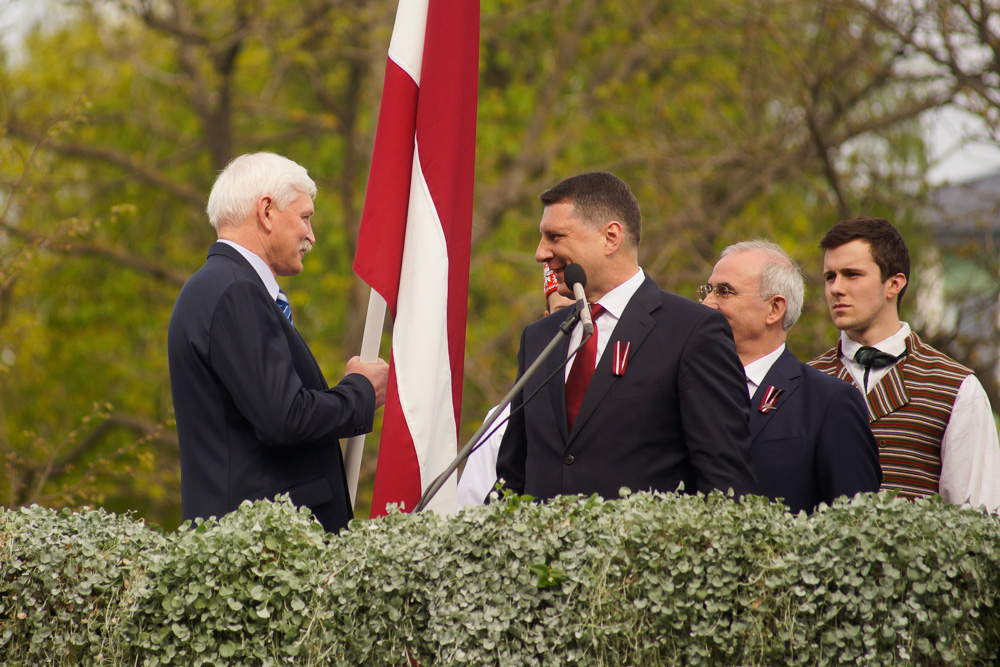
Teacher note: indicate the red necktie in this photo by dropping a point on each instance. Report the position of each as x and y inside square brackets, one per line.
[582, 370]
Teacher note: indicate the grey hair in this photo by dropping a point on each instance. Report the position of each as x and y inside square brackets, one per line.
[780, 275]
[250, 177]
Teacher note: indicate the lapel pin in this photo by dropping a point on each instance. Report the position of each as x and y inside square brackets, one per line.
[621, 356]
[770, 400]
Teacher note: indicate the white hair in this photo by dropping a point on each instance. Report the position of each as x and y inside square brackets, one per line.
[780, 275]
[248, 178]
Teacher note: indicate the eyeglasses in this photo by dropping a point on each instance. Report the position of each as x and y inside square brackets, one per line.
[721, 292]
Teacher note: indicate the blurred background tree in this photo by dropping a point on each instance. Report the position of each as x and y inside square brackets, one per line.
[956, 45]
[729, 120]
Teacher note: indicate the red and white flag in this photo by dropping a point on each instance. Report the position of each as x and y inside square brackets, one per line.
[414, 241]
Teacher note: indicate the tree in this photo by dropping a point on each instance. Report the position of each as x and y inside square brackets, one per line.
[160, 91]
[42, 465]
[729, 120]
[956, 45]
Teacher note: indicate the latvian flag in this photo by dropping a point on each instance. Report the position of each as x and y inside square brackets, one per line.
[413, 245]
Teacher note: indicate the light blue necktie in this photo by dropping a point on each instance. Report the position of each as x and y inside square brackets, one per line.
[286, 307]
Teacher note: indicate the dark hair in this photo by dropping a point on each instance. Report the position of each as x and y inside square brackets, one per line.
[599, 197]
[885, 242]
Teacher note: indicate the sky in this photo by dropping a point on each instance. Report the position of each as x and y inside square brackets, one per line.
[15, 15]
[958, 158]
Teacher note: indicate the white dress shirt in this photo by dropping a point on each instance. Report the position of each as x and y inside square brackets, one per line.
[259, 265]
[970, 448]
[757, 370]
[614, 303]
[480, 471]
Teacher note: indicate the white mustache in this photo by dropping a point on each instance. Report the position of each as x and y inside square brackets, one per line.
[305, 246]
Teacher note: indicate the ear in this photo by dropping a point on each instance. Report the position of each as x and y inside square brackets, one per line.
[614, 236]
[894, 286]
[776, 314]
[264, 206]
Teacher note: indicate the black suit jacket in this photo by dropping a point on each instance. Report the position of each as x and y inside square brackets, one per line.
[677, 415]
[815, 445]
[255, 417]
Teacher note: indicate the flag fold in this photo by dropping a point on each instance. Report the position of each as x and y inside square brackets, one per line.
[414, 240]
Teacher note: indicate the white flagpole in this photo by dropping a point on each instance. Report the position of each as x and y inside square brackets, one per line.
[370, 344]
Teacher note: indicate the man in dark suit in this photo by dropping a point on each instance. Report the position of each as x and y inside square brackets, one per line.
[811, 440]
[660, 401]
[255, 416]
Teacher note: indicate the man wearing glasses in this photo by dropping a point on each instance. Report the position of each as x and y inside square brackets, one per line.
[810, 437]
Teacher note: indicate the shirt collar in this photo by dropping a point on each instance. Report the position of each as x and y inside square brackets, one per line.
[614, 302]
[259, 265]
[894, 344]
[757, 370]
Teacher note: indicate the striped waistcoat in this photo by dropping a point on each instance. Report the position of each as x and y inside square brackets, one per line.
[909, 411]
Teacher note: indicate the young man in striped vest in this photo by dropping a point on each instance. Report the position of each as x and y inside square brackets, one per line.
[930, 415]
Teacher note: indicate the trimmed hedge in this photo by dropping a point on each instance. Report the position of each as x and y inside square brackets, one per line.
[645, 580]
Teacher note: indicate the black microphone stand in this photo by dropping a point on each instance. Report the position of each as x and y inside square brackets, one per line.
[565, 329]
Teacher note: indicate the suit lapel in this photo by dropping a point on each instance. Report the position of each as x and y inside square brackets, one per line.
[885, 397]
[889, 394]
[634, 326]
[556, 387]
[785, 373]
[291, 333]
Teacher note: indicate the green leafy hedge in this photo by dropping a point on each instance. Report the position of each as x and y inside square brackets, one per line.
[645, 580]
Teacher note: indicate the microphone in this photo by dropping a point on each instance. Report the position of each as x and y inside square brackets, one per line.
[576, 278]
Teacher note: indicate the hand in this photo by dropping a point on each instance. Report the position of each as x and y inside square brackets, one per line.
[377, 373]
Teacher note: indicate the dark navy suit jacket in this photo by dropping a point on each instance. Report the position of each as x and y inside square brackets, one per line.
[677, 415]
[815, 445]
[255, 416]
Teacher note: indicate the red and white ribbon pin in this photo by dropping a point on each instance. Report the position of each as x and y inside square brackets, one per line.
[770, 400]
[621, 356]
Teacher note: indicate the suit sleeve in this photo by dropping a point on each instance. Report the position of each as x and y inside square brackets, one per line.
[251, 355]
[847, 459]
[514, 447]
[714, 408]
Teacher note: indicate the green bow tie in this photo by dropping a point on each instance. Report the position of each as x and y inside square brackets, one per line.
[871, 357]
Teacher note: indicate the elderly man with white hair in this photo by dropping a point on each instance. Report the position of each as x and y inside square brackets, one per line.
[810, 439]
[255, 417]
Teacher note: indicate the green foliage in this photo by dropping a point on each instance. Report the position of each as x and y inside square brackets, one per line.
[647, 579]
[63, 579]
[241, 589]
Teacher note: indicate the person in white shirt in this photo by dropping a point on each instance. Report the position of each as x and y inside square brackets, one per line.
[930, 415]
[810, 440]
[480, 470]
